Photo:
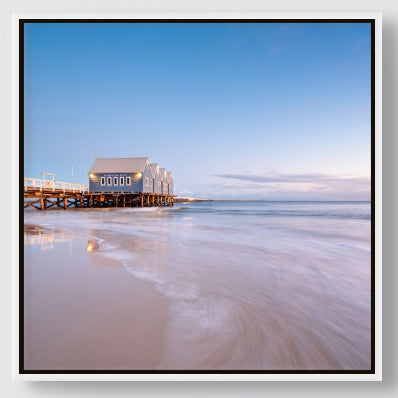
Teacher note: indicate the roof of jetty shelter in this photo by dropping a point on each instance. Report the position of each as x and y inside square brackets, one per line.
[163, 172]
[154, 168]
[118, 165]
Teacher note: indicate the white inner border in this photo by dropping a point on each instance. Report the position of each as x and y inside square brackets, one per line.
[378, 200]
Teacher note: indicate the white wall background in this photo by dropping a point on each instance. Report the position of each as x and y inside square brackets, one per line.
[387, 388]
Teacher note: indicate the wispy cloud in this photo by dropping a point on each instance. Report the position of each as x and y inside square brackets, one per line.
[307, 186]
[313, 178]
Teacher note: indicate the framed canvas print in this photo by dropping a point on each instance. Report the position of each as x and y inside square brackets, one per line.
[199, 197]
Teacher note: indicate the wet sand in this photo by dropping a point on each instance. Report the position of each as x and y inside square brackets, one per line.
[205, 286]
[84, 311]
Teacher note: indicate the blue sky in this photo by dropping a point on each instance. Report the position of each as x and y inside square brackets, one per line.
[234, 110]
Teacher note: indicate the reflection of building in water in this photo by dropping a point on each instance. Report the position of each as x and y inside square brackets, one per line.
[92, 249]
[46, 239]
[92, 245]
[140, 253]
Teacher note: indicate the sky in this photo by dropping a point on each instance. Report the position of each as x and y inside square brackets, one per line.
[274, 111]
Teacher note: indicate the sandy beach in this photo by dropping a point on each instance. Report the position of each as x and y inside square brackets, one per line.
[201, 286]
[84, 311]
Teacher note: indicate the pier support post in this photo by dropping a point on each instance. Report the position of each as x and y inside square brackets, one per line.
[65, 202]
[124, 200]
[42, 203]
[142, 200]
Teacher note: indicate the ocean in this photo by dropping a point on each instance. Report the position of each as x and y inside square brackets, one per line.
[250, 285]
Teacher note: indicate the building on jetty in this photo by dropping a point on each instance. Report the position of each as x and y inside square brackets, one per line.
[125, 175]
[170, 182]
[156, 177]
[113, 182]
[121, 175]
[163, 180]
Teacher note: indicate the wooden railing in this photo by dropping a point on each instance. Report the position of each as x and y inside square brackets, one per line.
[55, 186]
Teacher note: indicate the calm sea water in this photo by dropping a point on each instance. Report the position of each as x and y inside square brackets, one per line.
[252, 285]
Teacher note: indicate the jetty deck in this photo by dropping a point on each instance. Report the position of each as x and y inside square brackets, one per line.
[44, 194]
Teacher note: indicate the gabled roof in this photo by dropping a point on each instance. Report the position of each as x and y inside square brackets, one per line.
[169, 176]
[163, 172]
[154, 169]
[118, 165]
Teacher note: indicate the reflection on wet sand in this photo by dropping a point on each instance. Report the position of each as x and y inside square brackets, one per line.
[135, 253]
[92, 245]
[86, 311]
[46, 239]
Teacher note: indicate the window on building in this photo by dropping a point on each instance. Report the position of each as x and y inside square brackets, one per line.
[121, 181]
[147, 181]
[109, 181]
[102, 181]
[115, 181]
[128, 180]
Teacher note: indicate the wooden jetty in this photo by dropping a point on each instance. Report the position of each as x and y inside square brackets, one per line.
[43, 194]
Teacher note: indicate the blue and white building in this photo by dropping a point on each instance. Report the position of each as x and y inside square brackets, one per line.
[127, 175]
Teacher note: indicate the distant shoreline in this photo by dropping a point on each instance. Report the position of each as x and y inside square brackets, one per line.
[178, 199]
[181, 199]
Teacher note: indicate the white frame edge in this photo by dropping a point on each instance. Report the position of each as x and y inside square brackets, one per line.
[378, 199]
